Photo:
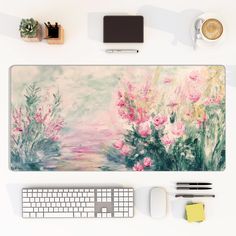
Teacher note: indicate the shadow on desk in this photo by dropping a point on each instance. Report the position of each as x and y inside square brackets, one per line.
[9, 25]
[176, 23]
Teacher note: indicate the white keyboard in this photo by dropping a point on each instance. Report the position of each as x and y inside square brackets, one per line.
[78, 202]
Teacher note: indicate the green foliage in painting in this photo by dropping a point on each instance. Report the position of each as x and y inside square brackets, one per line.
[35, 131]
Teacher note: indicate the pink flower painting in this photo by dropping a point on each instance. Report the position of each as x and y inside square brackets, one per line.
[117, 118]
[147, 161]
[144, 130]
[118, 144]
[138, 167]
[178, 129]
[159, 121]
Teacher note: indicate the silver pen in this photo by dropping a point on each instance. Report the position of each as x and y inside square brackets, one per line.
[194, 195]
[121, 50]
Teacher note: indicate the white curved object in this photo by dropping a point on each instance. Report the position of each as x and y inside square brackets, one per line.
[158, 202]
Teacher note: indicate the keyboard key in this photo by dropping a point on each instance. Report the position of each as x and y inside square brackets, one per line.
[83, 214]
[118, 214]
[26, 199]
[26, 204]
[26, 215]
[45, 209]
[58, 215]
[65, 209]
[28, 209]
[77, 214]
[104, 209]
[39, 215]
[88, 209]
[131, 212]
[91, 214]
[32, 215]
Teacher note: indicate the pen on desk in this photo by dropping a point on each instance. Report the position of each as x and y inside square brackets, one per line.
[121, 50]
[193, 188]
[194, 195]
[193, 183]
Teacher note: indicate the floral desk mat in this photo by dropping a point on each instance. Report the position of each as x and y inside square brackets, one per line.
[117, 118]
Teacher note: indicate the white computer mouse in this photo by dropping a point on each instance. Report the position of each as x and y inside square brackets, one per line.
[158, 202]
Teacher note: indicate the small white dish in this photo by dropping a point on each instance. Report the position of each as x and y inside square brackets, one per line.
[202, 41]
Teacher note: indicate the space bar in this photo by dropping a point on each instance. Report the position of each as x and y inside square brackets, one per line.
[58, 215]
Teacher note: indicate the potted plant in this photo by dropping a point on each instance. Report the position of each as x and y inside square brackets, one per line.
[30, 30]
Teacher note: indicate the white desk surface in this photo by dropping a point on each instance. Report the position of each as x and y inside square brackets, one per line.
[167, 41]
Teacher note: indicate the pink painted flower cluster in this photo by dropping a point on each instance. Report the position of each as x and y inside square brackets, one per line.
[52, 125]
[184, 108]
[127, 108]
[139, 166]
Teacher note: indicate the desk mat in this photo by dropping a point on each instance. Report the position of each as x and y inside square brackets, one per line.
[117, 118]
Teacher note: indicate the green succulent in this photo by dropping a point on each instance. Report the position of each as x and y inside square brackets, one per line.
[29, 27]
